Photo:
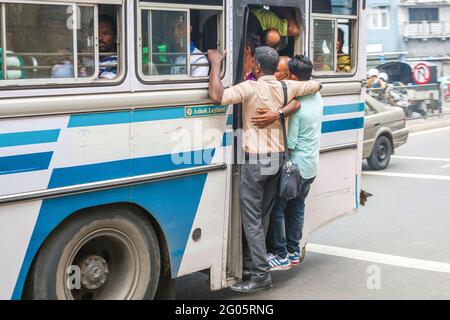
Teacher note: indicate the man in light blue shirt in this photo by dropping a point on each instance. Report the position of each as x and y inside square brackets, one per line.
[304, 131]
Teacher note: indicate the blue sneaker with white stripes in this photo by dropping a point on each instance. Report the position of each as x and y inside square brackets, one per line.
[294, 258]
[279, 264]
[269, 256]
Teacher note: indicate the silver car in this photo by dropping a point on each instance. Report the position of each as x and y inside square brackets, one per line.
[384, 130]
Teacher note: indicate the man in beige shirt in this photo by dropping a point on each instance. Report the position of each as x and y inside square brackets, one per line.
[263, 149]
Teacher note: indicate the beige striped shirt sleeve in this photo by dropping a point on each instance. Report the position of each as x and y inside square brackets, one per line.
[305, 88]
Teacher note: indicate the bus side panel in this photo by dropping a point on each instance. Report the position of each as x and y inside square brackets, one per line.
[96, 147]
[16, 227]
[212, 136]
[27, 150]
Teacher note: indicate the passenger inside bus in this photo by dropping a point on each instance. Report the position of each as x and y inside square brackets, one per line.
[271, 38]
[252, 42]
[283, 72]
[275, 27]
[280, 19]
[198, 61]
[344, 62]
[166, 40]
[107, 36]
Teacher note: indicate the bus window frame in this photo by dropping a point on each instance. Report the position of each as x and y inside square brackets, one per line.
[57, 83]
[182, 78]
[353, 48]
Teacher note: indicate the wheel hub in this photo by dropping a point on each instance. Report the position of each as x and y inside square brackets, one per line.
[381, 152]
[94, 272]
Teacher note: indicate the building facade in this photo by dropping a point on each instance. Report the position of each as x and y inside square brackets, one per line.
[384, 43]
[424, 27]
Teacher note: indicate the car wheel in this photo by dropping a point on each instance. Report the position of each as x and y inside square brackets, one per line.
[108, 254]
[381, 154]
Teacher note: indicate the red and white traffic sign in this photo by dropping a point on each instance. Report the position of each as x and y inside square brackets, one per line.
[422, 73]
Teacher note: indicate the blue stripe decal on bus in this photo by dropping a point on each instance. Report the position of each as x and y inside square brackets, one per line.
[26, 138]
[25, 163]
[230, 120]
[111, 118]
[342, 125]
[227, 139]
[98, 119]
[63, 177]
[345, 108]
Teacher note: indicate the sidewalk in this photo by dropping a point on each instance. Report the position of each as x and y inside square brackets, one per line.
[422, 124]
[416, 125]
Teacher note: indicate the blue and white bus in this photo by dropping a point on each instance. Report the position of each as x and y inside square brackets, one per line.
[113, 186]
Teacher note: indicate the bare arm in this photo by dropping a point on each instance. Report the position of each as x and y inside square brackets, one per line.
[216, 88]
[289, 15]
[292, 107]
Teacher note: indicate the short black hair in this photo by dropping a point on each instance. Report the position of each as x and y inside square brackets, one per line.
[265, 34]
[267, 58]
[301, 67]
[341, 35]
[252, 41]
[108, 19]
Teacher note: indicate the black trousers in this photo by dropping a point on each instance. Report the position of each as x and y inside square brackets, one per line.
[260, 177]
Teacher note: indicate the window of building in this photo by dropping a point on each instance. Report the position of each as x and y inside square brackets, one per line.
[419, 15]
[173, 42]
[334, 37]
[56, 43]
[379, 18]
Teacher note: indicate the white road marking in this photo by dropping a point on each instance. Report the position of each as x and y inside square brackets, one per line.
[415, 134]
[406, 175]
[446, 166]
[421, 158]
[374, 257]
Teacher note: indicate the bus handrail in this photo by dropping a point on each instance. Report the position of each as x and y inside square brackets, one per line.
[108, 184]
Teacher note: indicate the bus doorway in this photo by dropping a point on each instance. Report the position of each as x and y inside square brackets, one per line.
[254, 24]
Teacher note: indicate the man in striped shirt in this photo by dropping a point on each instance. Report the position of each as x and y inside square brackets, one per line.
[107, 45]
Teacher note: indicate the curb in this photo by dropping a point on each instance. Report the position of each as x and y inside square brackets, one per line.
[427, 126]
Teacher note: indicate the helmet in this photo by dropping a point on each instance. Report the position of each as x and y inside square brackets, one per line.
[383, 76]
[372, 73]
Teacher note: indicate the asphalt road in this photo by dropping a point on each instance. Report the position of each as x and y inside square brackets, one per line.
[397, 247]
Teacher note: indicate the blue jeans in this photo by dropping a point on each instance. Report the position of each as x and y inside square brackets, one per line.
[286, 222]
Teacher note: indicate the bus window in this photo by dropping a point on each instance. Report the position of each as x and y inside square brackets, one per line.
[324, 45]
[344, 46]
[174, 43]
[35, 44]
[335, 7]
[58, 42]
[333, 35]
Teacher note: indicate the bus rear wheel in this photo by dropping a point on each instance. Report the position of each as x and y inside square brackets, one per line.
[111, 254]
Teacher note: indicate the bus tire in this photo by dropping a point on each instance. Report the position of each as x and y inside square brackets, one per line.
[381, 154]
[105, 254]
[166, 288]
